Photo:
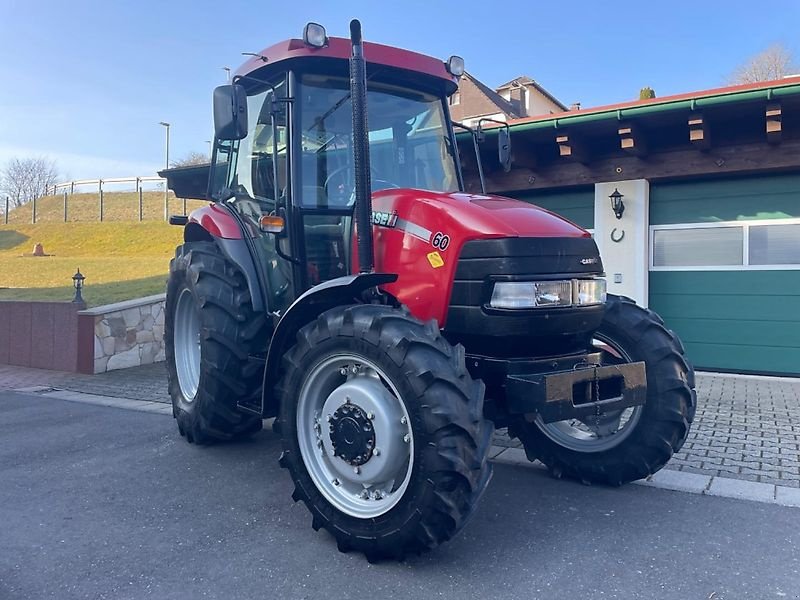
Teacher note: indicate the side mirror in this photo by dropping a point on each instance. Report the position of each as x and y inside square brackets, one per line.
[504, 148]
[230, 112]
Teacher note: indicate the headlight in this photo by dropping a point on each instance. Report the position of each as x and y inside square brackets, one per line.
[531, 294]
[541, 294]
[590, 291]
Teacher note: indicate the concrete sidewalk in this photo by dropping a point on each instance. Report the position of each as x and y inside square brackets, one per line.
[746, 428]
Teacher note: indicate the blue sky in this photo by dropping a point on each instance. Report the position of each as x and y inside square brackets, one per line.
[86, 82]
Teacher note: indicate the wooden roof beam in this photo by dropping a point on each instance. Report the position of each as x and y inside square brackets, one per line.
[570, 146]
[523, 154]
[774, 125]
[698, 132]
[632, 139]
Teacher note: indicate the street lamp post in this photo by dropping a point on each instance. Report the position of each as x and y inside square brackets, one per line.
[166, 166]
[228, 73]
[210, 149]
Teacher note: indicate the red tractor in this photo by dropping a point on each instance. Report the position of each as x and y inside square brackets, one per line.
[342, 282]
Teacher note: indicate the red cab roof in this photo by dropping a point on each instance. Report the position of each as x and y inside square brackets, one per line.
[340, 48]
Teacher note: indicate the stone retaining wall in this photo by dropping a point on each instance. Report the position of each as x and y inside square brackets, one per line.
[128, 334]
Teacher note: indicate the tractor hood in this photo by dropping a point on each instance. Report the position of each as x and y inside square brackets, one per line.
[420, 235]
[475, 215]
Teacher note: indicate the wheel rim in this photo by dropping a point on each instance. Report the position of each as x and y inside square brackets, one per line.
[601, 433]
[187, 345]
[355, 435]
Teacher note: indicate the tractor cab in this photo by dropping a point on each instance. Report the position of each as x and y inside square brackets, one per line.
[285, 159]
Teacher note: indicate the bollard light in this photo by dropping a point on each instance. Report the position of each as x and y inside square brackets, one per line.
[77, 282]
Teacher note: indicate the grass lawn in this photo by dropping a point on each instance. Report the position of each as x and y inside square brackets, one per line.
[121, 260]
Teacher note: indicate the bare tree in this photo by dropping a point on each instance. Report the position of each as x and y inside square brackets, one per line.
[773, 63]
[193, 158]
[23, 179]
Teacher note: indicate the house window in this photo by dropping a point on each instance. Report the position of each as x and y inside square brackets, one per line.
[702, 246]
[775, 244]
[455, 98]
[755, 245]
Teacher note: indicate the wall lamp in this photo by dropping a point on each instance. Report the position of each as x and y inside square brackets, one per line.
[616, 203]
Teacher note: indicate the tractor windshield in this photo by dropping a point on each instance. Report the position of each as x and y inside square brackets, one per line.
[410, 144]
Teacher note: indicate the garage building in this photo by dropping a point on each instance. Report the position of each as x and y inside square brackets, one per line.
[709, 236]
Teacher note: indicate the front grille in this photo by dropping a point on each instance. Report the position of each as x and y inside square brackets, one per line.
[521, 332]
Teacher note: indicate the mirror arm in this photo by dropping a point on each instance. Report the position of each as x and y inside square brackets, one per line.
[474, 135]
[506, 166]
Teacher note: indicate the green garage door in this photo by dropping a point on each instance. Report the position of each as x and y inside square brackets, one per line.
[725, 270]
[576, 204]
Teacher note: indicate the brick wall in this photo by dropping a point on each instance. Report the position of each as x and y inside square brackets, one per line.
[43, 335]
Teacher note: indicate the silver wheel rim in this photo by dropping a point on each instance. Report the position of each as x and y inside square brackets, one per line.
[371, 488]
[601, 433]
[187, 345]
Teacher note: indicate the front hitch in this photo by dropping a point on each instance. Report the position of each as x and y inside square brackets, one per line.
[585, 390]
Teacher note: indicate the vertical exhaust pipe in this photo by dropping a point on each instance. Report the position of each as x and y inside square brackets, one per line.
[363, 184]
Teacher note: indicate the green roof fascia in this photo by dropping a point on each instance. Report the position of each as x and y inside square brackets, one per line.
[620, 114]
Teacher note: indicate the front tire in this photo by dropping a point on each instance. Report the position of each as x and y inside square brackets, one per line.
[632, 444]
[209, 330]
[383, 431]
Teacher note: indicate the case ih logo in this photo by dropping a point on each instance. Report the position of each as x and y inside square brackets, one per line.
[384, 219]
[589, 261]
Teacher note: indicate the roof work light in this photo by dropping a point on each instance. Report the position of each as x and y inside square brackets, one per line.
[314, 35]
[455, 66]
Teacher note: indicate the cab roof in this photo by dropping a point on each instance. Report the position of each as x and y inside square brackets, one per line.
[339, 48]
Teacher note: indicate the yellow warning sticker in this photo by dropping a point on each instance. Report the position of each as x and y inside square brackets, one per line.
[435, 259]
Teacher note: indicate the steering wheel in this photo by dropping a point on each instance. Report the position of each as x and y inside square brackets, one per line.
[347, 187]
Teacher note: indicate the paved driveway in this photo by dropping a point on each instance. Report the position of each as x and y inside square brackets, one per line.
[105, 503]
[745, 428]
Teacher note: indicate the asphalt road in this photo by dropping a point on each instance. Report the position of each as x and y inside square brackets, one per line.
[106, 503]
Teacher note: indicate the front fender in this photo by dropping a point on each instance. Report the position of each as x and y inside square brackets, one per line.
[335, 292]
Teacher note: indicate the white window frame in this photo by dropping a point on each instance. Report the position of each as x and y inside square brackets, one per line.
[744, 225]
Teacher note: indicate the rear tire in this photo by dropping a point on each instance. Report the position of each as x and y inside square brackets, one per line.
[208, 298]
[657, 430]
[440, 442]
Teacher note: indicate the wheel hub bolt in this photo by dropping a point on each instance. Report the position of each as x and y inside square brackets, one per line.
[371, 416]
[357, 470]
[354, 369]
[328, 418]
[377, 452]
[406, 438]
[343, 371]
[403, 420]
[335, 482]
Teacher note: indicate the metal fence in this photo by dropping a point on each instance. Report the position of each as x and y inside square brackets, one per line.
[68, 188]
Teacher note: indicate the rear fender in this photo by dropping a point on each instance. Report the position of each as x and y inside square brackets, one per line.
[239, 254]
[336, 292]
[218, 224]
